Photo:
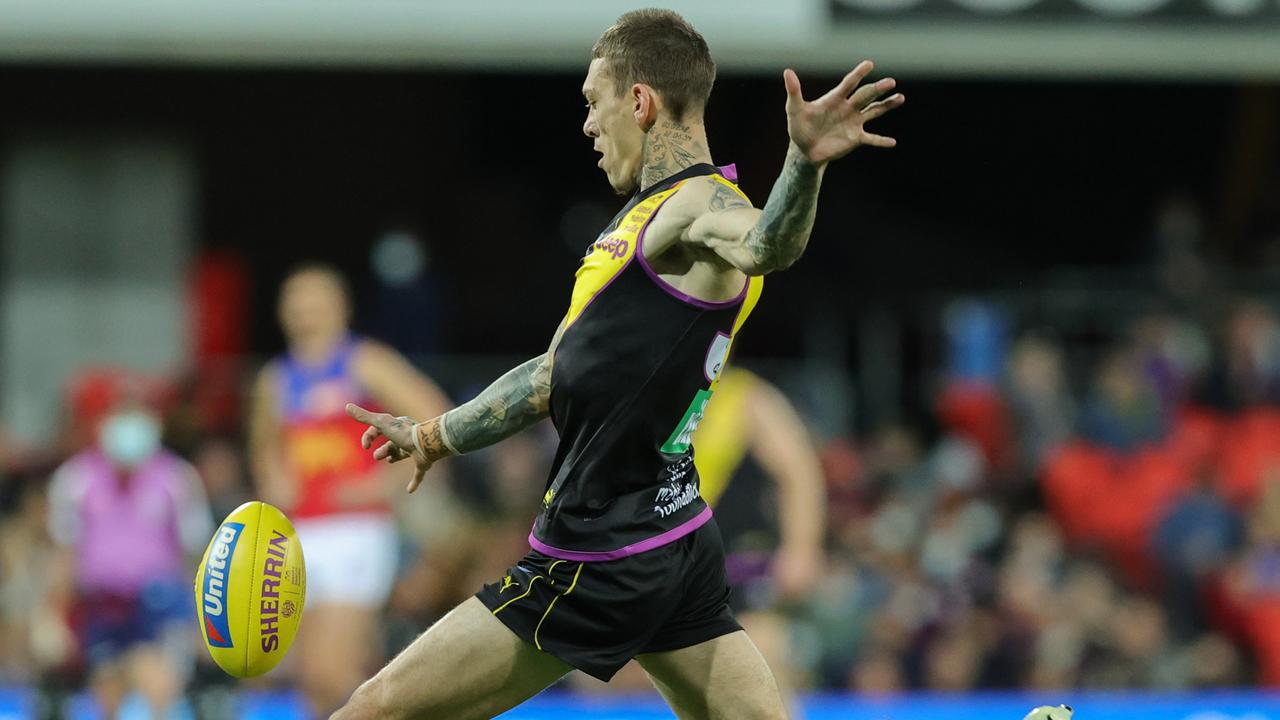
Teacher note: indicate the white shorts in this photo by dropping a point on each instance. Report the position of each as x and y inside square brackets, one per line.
[351, 559]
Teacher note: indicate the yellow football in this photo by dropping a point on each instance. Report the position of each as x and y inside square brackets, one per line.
[250, 587]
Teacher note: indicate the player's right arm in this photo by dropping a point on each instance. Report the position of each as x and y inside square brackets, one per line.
[763, 240]
[266, 453]
[510, 404]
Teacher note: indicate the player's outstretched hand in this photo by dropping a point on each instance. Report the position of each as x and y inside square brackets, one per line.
[399, 445]
[831, 126]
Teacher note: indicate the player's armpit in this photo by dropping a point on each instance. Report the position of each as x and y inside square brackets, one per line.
[713, 215]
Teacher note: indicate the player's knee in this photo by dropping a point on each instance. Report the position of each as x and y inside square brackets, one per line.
[768, 706]
[771, 711]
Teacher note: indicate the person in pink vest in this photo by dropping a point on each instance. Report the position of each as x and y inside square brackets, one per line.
[130, 518]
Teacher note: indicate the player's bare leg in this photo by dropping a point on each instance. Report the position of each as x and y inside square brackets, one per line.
[156, 675]
[335, 652]
[771, 634]
[467, 666]
[721, 679]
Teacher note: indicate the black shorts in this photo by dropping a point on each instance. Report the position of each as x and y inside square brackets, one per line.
[596, 616]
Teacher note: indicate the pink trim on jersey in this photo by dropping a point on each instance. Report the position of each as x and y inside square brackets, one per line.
[671, 289]
[652, 543]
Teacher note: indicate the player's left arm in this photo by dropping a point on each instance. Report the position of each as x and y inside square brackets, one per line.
[512, 403]
[759, 241]
[780, 443]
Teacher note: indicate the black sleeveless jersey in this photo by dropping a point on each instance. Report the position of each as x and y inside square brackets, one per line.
[636, 364]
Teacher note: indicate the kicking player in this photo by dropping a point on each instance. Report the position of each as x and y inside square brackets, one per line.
[626, 560]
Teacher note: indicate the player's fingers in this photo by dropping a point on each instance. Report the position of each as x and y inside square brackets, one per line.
[385, 451]
[869, 93]
[876, 109]
[360, 414]
[878, 140]
[850, 81]
[418, 473]
[792, 83]
[371, 433]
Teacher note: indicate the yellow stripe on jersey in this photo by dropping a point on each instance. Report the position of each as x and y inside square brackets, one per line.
[611, 253]
[722, 439]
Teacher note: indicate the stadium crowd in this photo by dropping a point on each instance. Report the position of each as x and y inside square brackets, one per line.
[1050, 524]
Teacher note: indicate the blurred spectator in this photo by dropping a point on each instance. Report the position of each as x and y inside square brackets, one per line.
[1124, 410]
[1247, 372]
[1192, 543]
[221, 467]
[130, 518]
[407, 300]
[1040, 400]
[1178, 249]
[971, 404]
[35, 633]
[1253, 585]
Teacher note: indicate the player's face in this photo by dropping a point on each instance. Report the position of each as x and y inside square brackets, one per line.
[611, 123]
[312, 305]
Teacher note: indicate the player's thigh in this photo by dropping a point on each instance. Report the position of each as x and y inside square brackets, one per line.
[722, 679]
[468, 665]
[337, 637]
[771, 634]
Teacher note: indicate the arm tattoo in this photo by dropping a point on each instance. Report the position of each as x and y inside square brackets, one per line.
[780, 236]
[512, 403]
[725, 199]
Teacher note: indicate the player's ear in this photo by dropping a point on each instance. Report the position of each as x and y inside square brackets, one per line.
[645, 104]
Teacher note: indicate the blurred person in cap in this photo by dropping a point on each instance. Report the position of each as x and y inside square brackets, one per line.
[306, 459]
[130, 518]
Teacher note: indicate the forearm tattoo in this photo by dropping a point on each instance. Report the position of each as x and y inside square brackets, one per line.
[782, 232]
[512, 403]
[430, 440]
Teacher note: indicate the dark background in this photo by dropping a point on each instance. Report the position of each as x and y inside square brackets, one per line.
[992, 184]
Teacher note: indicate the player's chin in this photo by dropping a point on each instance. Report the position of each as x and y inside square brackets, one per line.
[622, 186]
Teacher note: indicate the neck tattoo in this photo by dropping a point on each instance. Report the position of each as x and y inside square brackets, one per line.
[670, 147]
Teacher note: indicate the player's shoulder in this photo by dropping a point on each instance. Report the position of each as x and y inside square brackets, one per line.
[368, 354]
[374, 364]
[271, 374]
[710, 192]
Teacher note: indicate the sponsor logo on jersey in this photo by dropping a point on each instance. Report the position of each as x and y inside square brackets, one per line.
[612, 246]
[214, 590]
[716, 354]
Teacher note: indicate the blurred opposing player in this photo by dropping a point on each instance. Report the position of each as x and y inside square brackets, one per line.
[307, 463]
[626, 560]
[751, 434]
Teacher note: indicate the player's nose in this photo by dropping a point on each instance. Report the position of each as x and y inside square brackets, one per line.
[590, 129]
